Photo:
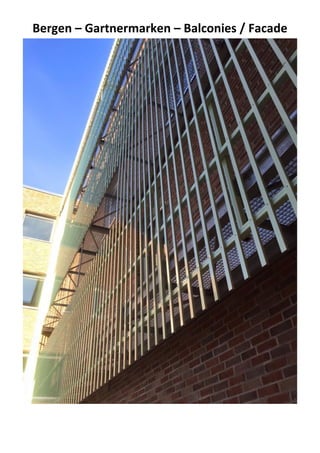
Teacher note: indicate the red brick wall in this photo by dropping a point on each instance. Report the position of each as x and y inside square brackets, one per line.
[242, 350]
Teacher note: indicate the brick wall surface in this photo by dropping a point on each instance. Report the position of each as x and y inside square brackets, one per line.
[35, 256]
[36, 253]
[41, 203]
[242, 350]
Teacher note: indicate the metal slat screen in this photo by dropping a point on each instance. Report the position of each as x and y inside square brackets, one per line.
[204, 150]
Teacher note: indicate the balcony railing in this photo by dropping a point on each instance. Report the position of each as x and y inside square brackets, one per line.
[202, 151]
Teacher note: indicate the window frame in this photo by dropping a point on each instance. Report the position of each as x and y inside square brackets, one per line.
[36, 291]
[41, 218]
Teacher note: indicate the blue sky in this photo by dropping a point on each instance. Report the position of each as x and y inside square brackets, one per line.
[60, 81]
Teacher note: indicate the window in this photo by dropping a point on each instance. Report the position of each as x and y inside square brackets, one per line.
[31, 290]
[24, 363]
[37, 227]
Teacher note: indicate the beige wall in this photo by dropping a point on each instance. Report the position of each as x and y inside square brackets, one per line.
[41, 203]
[29, 320]
[35, 256]
[36, 253]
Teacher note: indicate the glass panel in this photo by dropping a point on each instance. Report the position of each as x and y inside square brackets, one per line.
[31, 290]
[37, 227]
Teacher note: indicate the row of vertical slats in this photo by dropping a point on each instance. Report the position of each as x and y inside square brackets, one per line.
[176, 163]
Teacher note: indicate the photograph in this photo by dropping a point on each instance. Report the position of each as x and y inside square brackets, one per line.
[160, 217]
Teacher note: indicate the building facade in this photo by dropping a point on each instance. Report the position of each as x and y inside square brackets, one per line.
[40, 210]
[176, 276]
